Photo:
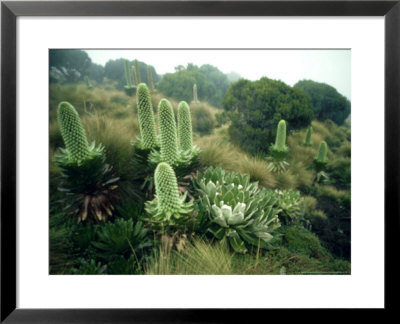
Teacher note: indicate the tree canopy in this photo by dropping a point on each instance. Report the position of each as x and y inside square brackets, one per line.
[256, 107]
[211, 83]
[327, 102]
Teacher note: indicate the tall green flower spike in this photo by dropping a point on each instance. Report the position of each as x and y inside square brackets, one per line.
[195, 99]
[137, 72]
[134, 76]
[166, 189]
[169, 206]
[128, 76]
[150, 79]
[322, 152]
[307, 141]
[184, 126]
[146, 117]
[280, 141]
[168, 137]
[72, 132]
[321, 159]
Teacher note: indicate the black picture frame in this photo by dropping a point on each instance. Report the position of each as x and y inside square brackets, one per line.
[10, 10]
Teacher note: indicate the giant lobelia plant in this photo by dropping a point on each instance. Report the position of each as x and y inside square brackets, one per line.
[279, 150]
[168, 209]
[87, 180]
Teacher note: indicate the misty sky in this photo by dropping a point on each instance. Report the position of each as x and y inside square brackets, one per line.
[328, 66]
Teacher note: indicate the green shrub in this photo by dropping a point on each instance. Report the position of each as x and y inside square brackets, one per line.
[256, 107]
[121, 238]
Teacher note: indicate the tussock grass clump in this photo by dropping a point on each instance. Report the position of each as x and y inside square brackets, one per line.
[217, 152]
[116, 136]
[198, 258]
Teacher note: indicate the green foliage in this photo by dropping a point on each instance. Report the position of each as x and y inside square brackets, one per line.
[237, 209]
[72, 132]
[69, 65]
[211, 84]
[290, 205]
[203, 119]
[307, 141]
[185, 127]
[88, 83]
[89, 268]
[121, 238]
[327, 102]
[146, 117]
[195, 99]
[168, 209]
[168, 137]
[256, 107]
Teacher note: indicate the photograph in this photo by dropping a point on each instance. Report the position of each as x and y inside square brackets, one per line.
[199, 162]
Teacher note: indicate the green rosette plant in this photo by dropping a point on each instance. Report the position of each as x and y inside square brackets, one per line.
[147, 124]
[87, 180]
[168, 209]
[279, 150]
[130, 89]
[307, 140]
[237, 209]
[290, 205]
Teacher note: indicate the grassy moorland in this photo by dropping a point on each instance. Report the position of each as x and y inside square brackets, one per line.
[234, 211]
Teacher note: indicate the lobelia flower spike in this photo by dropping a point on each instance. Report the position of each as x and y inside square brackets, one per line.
[280, 142]
[321, 159]
[195, 93]
[72, 132]
[167, 191]
[307, 141]
[168, 207]
[279, 150]
[185, 127]
[137, 72]
[146, 117]
[128, 76]
[150, 79]
[168, 137]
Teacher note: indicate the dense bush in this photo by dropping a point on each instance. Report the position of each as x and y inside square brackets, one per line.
[327, 102]
[256, 107]
[211, 84]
